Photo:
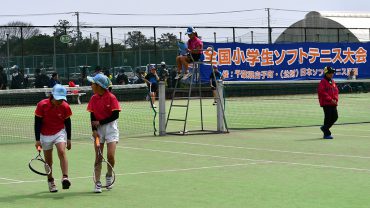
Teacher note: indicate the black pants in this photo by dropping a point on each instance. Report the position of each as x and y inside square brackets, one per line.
[331, 116]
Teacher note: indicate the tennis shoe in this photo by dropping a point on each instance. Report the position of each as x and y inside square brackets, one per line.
[178, 76]
[66, 183]
[186, 76]
[109, 180]
[328, 137]
[98, 187]
[52, 186]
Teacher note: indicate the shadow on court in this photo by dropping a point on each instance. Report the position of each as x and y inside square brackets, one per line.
[60, 195]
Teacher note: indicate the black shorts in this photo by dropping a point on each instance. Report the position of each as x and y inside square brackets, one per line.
[196, 57]
[154, 87]
[214, 86]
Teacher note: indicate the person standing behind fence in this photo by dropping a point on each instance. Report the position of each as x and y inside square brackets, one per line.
[54, 80]
[19, 81]
[328, 98]
[195, 47]
[3, 79]
[152, 81]
[215, 75]
[41, 79]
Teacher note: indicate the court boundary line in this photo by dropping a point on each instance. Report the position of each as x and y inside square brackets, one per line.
[145, 172]
[248, 159]
[252, 148]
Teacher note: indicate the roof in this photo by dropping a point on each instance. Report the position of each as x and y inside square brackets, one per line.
[339, 27]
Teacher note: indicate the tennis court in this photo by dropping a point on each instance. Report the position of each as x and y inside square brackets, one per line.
[257, 164]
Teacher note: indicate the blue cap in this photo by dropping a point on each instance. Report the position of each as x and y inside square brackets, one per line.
[152, 66]
[190, 30]
[100, 79]
[59, 92]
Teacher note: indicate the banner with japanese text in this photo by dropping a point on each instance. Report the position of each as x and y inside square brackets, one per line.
[296, 61]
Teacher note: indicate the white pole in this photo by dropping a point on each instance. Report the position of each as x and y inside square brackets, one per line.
[220, 114]
[162, 108]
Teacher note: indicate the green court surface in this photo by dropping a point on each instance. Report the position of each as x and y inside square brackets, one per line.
[289, 167]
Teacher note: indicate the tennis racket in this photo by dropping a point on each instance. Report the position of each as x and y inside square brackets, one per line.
[98, 166]
[38, 164]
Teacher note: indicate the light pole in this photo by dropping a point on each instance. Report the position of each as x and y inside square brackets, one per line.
[55, 55]
[98, 54]
[7, 50]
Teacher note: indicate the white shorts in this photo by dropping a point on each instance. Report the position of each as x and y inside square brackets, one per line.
[108, 132]
[48, 141]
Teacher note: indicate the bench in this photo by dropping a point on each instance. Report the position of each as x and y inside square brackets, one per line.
[75, 96]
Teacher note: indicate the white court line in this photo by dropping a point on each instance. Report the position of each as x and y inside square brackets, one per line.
[252, 148]
[248, 159]
[312, 133]
[9, 179]
[147, 172]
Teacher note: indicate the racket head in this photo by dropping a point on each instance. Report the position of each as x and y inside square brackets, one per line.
[38, 165]
[104, 165]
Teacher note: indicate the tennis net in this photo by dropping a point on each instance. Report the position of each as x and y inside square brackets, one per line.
[291, 103]
[17, 112]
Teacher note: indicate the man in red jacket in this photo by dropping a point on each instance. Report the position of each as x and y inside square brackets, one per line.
[328, 98]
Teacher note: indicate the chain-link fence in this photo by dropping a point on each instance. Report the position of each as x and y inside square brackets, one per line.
[73, 52]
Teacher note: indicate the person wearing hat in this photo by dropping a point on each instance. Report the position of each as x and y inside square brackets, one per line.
[328, 98]
[163, 72]
[215, 75]
[151, 79]
[195, 47]
[104, 111]
[53, 127]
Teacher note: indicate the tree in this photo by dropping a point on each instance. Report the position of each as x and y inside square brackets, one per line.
[14, 30]
[167, 40]
[63, 27]
[136, 40]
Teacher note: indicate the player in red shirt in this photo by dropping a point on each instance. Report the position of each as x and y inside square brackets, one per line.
[104, 111]
[53, 127]
[328, 98]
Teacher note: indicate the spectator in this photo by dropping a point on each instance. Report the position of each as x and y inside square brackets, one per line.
[19, 81]
[41, 79]
[121, 78]
[163, 72]
[54, 80]
[352, 75]
[98, 70]
[3, 79]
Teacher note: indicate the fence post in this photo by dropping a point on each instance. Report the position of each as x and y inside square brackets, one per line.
[220, 107]
[162, 108]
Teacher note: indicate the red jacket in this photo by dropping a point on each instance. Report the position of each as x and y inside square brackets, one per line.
[327, 93]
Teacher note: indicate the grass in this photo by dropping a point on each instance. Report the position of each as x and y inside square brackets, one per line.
[281, 167]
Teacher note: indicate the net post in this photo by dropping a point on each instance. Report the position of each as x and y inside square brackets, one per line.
[220, 100]
[162, 108]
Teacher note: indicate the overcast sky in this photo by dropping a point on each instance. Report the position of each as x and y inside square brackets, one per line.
[255, 18]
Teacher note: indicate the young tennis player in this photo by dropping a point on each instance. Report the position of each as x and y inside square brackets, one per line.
[151, 79]
[53, 127]
[104, 111]
[328, 98]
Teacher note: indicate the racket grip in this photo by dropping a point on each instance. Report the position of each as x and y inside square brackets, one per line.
[39, 148]
[97, 141]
